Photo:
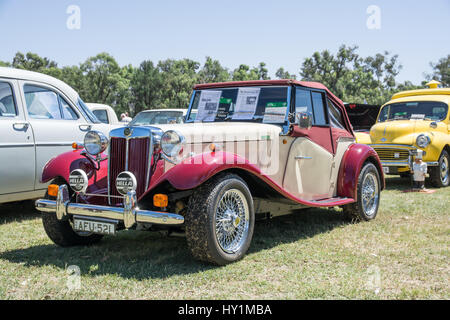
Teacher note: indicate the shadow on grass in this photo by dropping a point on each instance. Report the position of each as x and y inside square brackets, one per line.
[396, 183]
[144, 255]
[18, 211]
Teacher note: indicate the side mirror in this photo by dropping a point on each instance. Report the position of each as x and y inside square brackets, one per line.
[304, 120]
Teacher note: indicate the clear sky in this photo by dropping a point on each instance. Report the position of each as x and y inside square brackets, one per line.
[280, 33]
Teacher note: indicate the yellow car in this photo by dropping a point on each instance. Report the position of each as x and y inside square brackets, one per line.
[413, 120]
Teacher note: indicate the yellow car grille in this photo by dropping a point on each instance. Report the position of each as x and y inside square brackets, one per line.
[392, 154]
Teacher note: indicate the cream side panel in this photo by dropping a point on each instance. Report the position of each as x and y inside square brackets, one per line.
[308, 178]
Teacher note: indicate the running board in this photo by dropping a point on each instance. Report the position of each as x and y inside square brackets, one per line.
[330, 202]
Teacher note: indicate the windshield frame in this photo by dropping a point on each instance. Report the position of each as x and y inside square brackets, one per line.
[388, 105]
[286, 118]
[86, 112]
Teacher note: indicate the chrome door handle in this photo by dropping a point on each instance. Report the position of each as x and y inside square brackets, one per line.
[85, 127]
[302, 157]
[21, 126]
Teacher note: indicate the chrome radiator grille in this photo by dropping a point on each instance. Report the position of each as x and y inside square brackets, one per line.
[129, 154]
[391, 154]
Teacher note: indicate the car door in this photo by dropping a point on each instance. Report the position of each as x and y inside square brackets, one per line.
[55, 120]
[17, 149]
[310, 158]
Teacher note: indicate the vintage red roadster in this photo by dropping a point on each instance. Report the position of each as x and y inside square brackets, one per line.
[246, 148]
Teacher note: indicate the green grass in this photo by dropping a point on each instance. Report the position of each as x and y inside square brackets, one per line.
[313, 254]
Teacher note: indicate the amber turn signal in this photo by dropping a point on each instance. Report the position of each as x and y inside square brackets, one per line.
[53, 190]
[160, 200]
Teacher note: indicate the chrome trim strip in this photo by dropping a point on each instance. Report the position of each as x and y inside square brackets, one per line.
[17, 145]
[392, 146]
[129, 214]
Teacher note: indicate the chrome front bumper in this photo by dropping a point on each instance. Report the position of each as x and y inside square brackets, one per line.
[401, 162]
[130, 214]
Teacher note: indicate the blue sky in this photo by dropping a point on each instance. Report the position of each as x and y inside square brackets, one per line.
[280, 33]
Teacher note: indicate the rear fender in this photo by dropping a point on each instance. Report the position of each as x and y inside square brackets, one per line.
[351, 165]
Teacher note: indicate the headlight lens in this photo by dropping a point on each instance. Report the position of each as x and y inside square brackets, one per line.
[172, 143]
[423, 140]
[95, 142]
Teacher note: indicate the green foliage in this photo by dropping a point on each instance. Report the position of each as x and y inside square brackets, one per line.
[168, 83]
[282, 74]
[441, 71]
[352, 77]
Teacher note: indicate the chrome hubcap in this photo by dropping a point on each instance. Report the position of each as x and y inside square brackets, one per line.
[232, 221]
[370, 194]
[444, 170]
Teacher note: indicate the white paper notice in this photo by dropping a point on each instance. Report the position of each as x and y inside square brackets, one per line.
[208, 105]
[275, 112]
[246, 103]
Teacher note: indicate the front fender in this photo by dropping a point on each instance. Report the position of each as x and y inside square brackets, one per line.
[192, 172]
[63, 164]
[351, 165]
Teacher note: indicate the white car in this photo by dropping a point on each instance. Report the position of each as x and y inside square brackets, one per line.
[159, 116]
[40, 118]
[104, 113]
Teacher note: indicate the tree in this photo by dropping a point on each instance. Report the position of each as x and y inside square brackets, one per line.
[146, 86]
[5, 64]
[351, 77]
[103, 79]
[32, 62]
[212, 71]
[441, 71]
[282, 74]
[178, 78]
[244, 73]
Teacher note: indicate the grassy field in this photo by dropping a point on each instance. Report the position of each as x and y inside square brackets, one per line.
[313, 254]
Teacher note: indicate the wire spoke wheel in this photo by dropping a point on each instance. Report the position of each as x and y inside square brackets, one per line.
[232, 221]
[444, 170]
[370, 194]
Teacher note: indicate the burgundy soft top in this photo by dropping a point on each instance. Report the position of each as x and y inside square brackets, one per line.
[281, 82]
[308, 84]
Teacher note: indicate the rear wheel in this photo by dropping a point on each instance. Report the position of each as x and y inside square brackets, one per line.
[220, 220]
[440, 175]
[368, 195]
[61, 231]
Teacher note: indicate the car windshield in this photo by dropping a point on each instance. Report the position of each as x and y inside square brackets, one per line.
[420, 110]
[157, 117]
[255, 104]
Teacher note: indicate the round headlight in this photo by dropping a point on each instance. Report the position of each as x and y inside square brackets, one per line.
[172, 143]
[423, 140]
[95, 142]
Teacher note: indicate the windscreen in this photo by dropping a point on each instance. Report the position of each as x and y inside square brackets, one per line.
[418, 110]
[254, 104]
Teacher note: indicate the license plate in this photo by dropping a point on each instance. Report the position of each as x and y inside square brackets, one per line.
[386, 169]
[98, 227]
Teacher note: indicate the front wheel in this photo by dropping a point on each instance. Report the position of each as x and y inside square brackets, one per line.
[61, 231]
[440, 175]
[220, 220]
[368, 195]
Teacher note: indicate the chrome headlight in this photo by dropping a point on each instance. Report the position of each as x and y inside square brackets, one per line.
[95, 142]
[172, 143]
[423, 140]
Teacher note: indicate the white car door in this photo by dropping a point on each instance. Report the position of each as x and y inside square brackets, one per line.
[17, 150]
[56, 123]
